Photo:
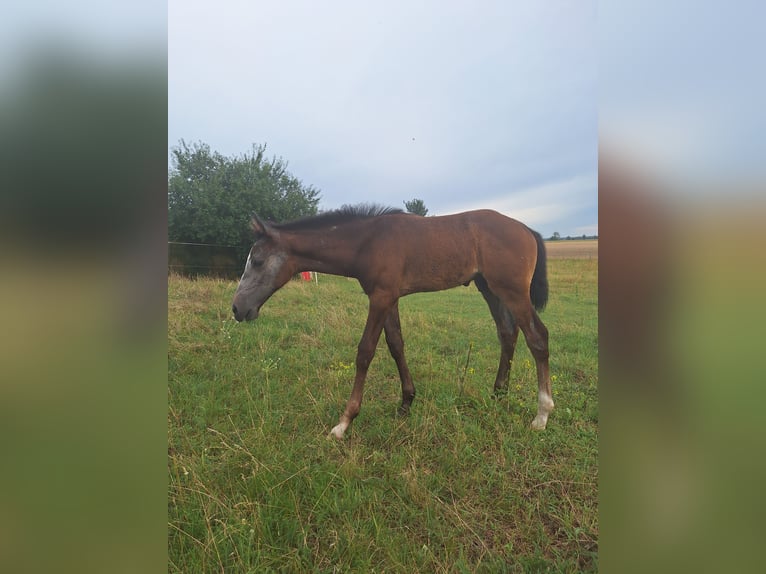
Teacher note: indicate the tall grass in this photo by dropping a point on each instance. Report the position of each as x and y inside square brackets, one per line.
[460, 485]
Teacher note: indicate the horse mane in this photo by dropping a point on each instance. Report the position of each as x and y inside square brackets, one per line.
[345, 214]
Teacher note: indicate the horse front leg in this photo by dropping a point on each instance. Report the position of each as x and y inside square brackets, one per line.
[395, 342]
[365, 352]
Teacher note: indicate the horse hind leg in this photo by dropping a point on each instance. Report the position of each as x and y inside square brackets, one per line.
[507, 334]
[395, 342]
[544, 395]
[536, 335]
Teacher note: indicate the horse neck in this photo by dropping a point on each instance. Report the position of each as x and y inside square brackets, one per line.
[332, 250]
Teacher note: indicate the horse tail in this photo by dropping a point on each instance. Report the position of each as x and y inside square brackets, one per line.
[538, 289]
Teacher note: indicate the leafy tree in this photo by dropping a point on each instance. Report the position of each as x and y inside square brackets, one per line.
[556, 236]
[211, 197]
[416, 206]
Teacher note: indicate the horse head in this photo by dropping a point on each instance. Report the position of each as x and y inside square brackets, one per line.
[265, 272]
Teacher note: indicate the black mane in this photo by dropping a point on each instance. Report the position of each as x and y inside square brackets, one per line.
[343, 215]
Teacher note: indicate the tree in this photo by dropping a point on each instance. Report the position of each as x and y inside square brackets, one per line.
[416, 206]
[211, 197]
[556, 236]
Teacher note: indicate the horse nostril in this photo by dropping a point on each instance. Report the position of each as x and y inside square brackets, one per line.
[234, 309]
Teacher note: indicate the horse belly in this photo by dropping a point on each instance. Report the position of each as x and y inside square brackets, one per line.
[438, 273]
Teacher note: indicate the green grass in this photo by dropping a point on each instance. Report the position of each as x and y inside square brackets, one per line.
[460, 485]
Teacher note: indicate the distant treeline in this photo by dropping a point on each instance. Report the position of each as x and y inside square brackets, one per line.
[557, 237]
[195, 259]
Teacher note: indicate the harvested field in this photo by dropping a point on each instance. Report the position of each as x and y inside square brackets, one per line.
[572, 249]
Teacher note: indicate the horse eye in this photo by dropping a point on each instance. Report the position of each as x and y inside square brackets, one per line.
[256, 262]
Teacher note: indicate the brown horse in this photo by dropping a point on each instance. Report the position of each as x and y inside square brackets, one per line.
[393, 254]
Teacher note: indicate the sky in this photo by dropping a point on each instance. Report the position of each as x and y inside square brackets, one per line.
[681, 92]
[464, 105]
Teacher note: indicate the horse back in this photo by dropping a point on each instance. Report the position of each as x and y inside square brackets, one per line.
[414, 254]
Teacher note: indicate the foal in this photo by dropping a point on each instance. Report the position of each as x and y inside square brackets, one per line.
[393, 254]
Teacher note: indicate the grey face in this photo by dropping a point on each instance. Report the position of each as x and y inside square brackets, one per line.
[264, 274]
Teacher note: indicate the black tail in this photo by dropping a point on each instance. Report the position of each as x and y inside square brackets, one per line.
[538, 290]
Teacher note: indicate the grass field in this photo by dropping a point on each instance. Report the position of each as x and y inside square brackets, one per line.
[460, 485]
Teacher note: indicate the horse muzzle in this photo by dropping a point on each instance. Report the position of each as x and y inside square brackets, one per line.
[244, 315]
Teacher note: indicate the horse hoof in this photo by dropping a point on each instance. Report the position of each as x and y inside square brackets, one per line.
[338, 431]
[403, 411]
[539, 422]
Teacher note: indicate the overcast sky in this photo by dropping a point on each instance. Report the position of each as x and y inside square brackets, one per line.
[462, 104]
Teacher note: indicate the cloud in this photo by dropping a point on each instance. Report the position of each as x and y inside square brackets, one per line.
[539, 204]
[439, 101]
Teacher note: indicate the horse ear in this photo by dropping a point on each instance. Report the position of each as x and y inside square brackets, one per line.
[261, 228]
[256, 225]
